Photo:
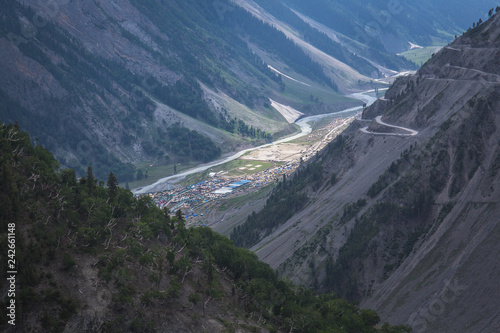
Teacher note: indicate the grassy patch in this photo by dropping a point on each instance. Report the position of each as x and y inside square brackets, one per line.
[301, 93]
[420, 56]
[157, 171]
[233, 169]
[239, 201]
[244, 167]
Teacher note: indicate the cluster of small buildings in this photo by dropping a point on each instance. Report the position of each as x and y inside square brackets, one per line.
[220, 185]
[189, 197]
[182, 197]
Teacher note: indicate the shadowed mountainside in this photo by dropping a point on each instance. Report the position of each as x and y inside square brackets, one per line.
[406, 224]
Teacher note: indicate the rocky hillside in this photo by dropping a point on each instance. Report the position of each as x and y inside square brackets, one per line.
[87, 258]
[400, 212]
[392, 25]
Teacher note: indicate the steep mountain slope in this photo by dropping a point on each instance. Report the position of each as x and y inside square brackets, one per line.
[400, 212]
[85, 258]
[391, 25]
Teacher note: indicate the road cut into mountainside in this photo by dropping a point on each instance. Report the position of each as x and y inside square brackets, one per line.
[379, 121]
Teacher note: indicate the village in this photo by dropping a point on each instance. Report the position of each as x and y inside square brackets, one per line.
[256, 170]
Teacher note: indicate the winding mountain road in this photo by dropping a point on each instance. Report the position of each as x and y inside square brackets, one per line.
[378, 119]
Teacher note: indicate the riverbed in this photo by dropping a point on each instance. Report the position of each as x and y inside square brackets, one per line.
[305, 125]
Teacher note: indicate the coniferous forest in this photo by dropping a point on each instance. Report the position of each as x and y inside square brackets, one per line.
[144, 258]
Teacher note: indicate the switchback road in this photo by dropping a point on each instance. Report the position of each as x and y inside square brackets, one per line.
[378, 119]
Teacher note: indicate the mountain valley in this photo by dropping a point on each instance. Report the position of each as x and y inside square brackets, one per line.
[292, 167]
[90, 75]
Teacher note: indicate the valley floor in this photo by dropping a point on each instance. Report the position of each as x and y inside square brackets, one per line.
[213, 197]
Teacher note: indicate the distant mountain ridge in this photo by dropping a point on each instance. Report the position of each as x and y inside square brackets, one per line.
[390, 25]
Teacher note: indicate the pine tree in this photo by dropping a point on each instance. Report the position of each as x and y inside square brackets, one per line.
[180, 219]
[112, 185]
[91, 181]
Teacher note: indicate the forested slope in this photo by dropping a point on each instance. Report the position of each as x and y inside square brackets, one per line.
[91, 258]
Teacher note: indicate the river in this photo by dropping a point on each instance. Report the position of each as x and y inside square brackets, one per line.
[305, 128]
